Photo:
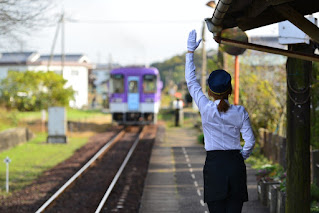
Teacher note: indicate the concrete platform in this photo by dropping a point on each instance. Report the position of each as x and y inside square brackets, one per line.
[174, 181]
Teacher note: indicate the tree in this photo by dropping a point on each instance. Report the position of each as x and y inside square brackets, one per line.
[173, 69]
[30, 91]
[22, 16]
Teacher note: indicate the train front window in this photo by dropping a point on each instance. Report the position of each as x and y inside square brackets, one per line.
[117, 83]
[133, 87]
[149, 83]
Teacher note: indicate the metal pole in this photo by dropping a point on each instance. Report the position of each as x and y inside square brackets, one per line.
[53, 45]
[204, 61]
[62, 44]
[236, 92]
[7, 178]
[7, 161]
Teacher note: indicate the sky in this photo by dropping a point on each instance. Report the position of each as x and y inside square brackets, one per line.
[127, 32]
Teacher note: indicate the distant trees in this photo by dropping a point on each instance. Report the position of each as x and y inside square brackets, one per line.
[31, 91]
[262, 87]
[262, 91]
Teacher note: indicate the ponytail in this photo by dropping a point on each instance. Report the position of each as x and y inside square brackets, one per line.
[222, 106]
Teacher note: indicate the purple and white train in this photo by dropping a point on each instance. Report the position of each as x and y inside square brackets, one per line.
[135, 95]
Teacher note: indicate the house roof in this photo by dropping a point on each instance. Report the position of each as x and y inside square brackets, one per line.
[80, 58]
[34, 58]
[18, 57]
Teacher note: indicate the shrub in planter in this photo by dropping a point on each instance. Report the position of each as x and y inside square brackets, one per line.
[314, 208]
[267, 172]
[314, 191]
[267, 176]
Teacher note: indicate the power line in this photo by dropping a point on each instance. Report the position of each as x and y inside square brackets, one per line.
[132, 21]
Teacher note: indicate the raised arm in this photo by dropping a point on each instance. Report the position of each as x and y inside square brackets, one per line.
[193, 86]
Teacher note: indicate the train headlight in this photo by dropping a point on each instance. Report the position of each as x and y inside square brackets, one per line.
[149, 100]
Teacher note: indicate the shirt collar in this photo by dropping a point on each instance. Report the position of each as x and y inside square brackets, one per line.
[217, 101]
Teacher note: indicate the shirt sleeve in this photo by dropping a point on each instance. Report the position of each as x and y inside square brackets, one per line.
[248, 136]
[193, 86]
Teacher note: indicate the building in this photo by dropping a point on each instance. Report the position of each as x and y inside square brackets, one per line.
[99, 78]
[75, 70]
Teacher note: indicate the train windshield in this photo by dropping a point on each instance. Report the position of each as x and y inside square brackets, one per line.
[117, 83]
[149, 83]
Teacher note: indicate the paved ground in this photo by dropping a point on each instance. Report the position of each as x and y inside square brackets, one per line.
[175, 182]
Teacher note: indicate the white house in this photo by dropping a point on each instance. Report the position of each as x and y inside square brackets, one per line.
[75, 69]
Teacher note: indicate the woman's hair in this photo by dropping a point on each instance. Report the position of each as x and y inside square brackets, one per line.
[223, 106]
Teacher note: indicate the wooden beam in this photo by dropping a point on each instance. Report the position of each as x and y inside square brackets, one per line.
[288, 53]
[299, 21]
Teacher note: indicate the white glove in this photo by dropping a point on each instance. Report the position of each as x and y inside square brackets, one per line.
[192, 44]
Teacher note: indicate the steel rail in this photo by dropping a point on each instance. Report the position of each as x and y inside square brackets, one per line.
[118, 174]
[81, 171]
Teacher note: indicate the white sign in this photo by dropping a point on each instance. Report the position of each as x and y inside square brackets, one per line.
[7, 160]
[290, 34]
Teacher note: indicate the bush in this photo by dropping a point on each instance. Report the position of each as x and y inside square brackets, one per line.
[200, 138]
[33, 91]
[314, 191]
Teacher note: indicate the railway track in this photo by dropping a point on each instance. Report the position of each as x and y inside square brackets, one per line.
[90, 188]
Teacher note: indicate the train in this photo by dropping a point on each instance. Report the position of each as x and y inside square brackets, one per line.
[135, 95]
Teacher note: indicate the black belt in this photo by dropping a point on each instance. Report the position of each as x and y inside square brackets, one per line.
[224, 151]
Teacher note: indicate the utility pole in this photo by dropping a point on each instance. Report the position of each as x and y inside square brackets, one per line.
[298, 131]
[62, 43]
[204, 61]
[236, 91]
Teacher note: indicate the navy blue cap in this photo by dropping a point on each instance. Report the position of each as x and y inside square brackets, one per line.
[219, 82]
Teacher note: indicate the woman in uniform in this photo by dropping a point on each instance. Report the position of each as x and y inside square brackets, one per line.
[225, 180]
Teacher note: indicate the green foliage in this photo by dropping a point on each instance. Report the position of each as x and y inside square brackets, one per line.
[259, 99]
[30, 160]
[8, 119]
[314, 191]
[173, 69]
[314, 207]
[200, 138]
[31, 91]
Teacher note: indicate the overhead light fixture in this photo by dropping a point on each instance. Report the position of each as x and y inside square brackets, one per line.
[211, 4]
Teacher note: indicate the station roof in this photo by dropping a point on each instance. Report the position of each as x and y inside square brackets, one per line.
[251, 14]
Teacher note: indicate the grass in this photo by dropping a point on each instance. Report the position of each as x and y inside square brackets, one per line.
[31, 159]
[72, 115]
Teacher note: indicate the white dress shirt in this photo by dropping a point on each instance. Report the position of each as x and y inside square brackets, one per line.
[221, 130]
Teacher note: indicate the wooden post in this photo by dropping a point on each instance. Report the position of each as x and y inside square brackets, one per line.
[298, 131]
[236, 92]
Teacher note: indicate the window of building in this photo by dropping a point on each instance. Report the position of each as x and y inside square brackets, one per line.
[74, 72]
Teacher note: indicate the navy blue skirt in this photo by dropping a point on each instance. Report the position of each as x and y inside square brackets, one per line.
[225, 176]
